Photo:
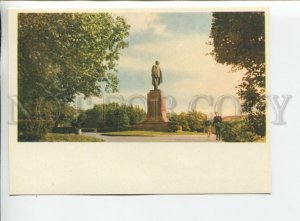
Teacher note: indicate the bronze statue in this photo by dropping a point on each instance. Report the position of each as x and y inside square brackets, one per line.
[156, 75]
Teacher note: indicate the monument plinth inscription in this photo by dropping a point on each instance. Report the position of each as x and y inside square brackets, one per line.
[156, 118]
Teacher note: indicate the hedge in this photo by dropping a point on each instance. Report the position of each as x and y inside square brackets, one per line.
[64, 130]
[237, 131]
[33, 130]
[89, 130]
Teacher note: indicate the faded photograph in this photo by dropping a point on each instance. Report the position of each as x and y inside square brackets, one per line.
[142, 77]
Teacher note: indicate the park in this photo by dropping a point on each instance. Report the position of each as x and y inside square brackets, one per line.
[62, 56]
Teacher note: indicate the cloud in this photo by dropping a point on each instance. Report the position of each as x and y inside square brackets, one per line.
[143, 22]
[186, 55]
[187, 70]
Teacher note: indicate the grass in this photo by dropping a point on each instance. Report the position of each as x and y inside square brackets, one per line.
[261, 140]
[148, 133]
[56, 137]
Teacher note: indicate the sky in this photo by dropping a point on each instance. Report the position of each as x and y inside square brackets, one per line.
[179, 42]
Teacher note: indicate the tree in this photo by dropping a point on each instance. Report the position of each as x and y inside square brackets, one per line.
[191, 121]
[237, 131]
[61, 55]
[110, 117]
[173, 124]
[238, 39]
[196, 120]
[116, 117]
[80, 120]
[135, 114]
[65, 115]
[182, 120]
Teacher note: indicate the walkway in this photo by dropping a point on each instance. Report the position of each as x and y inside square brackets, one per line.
[171, 138]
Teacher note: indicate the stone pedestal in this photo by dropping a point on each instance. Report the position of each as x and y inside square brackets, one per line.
[156, 118]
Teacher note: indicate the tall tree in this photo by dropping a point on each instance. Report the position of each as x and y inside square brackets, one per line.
[238, 39]
[61, 55]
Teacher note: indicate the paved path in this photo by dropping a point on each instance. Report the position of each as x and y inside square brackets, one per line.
[171, 138]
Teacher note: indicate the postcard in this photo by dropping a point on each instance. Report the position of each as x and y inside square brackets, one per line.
[139, 101]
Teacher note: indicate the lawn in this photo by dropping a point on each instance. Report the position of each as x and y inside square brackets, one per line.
[261, 140]
[148, 133]
[56, 137]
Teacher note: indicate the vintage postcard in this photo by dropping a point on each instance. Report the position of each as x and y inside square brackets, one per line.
[139, 101]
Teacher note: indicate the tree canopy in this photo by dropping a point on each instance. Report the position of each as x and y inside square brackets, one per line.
[110, 117]
[238, 39]
[64, 54]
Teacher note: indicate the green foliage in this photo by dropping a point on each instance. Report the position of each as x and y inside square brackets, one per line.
[33, 130]
[66, 115]
[239, 40]
[191, 121]
[61, 55]
[183, 122]
[53, 137]
[117, 119]
[257, 123]
[68, 53]
[64, 130]
[44, 110]
[237, 131]
[173, 124]
[110, 117]
[80, 120]
[93, 130]
[39, 109]
[196, 121]
[92, 118]
[135, 114]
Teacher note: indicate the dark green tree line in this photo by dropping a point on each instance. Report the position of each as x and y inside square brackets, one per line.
[110, 117]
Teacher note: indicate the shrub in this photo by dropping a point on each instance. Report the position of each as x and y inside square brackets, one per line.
[196, 120]
[185, 125]
[33, 130]
[200, 129]
[237, 131]
[110, 117]
[183, 122]
[191, 121]
[53, 137]
[117, 120]
[257, 123]
[89, 130]
[79, 121]
[64, 130]
[135, 114]
[173, 124]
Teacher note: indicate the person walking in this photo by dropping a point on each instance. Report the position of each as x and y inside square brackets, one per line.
[217, 124]
[207, 125]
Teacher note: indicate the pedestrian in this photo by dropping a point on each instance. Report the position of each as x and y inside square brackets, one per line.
[207, 125]
[217, 124]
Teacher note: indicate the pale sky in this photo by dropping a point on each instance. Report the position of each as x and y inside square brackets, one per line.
[178, 41]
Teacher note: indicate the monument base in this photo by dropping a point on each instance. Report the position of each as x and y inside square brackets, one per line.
[158, 126]
[156, 118]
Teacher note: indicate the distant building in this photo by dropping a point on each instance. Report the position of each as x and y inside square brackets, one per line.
[235, 117]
